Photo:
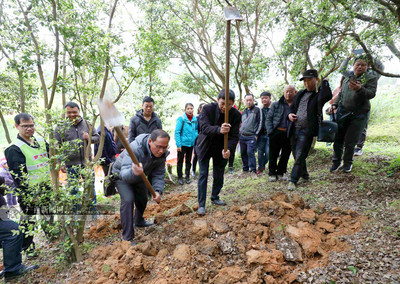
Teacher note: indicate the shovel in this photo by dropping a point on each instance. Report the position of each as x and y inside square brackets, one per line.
[231, 13]
[113, 118]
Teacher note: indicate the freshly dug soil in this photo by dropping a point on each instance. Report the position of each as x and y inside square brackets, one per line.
[271, 241]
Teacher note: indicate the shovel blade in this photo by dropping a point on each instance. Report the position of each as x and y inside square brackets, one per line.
[109, 113]
[231, 13]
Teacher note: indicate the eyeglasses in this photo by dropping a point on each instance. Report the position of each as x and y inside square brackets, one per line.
[159, 147]
[27, 126]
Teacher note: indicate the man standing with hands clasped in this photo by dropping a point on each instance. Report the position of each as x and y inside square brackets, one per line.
[210, 144]
[303, 126]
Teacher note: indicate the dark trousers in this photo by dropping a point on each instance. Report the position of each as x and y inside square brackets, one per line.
[278, 143]
[301, 142]
[185, 151]
[248, 145]
[27, 220]
[30, 210]
[218, 178]
[73, 177]
[131, 194]
[195, 158]
[350, 127]
[232, 157]
[263, 150]
[363, 137]
[12, 245]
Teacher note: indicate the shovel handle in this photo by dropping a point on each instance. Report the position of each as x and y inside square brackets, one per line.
[134, 159]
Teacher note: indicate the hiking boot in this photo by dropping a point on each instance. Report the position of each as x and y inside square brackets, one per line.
[15, 274]
[193, 174]
[336, 165]
[291, 186]
[282, 177]
[180, 181]
[347, 168]
[230, 170]
[272, 178]
[358, 152]
[218, 202]
[187, 180]
[133, 243]
[201, 211]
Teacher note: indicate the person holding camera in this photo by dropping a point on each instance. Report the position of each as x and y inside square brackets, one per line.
[353, 108]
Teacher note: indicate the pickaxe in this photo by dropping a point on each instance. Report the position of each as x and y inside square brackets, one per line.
[231, 13]
[113, 118]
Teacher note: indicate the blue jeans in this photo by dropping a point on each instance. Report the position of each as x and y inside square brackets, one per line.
[12, 245]
[263, 150]
[248, 146]
[301, 143]
[218, 175]
[73, 174]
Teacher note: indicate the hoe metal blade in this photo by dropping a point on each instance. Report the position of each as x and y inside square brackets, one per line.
[111, 116]
[231, 13]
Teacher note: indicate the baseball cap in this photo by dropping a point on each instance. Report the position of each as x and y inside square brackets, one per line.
[310, 73]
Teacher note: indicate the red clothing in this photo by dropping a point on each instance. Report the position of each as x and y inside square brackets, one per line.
[189, 117]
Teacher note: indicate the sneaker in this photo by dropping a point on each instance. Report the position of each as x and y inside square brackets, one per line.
[291, 186]
[31, 253]
[347, 168]
[180, 181]
[358, 152]
[273, 178]
[187, 180]
[282, 177]
[336, 165]
[193, 174]
[230, 170]
[218, 202]
[201, 211]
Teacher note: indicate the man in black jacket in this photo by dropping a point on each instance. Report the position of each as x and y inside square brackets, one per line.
[305, 110]
[210, 144]
[145, 120]
[277, 125]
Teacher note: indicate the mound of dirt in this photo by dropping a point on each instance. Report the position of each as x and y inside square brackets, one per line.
[172, 205]
[270, 241]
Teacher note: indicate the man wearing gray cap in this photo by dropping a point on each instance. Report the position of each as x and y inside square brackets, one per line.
[303, 126]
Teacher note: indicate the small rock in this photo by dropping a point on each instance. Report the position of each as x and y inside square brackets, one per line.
[182, 252]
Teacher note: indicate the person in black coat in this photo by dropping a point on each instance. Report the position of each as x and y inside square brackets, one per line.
[303, 126]
[210, 144]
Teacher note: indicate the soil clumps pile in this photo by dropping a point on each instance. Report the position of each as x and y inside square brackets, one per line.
[271, 241]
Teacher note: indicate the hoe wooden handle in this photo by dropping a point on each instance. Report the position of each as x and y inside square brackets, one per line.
[134, 159]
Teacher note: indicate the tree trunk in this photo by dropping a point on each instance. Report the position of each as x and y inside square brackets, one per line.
[3, 121]
[64, 101]
[21, 91]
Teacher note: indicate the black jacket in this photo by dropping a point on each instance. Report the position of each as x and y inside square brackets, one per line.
[139, 125]
[314, 107]
[274, 115]
[209, 131]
